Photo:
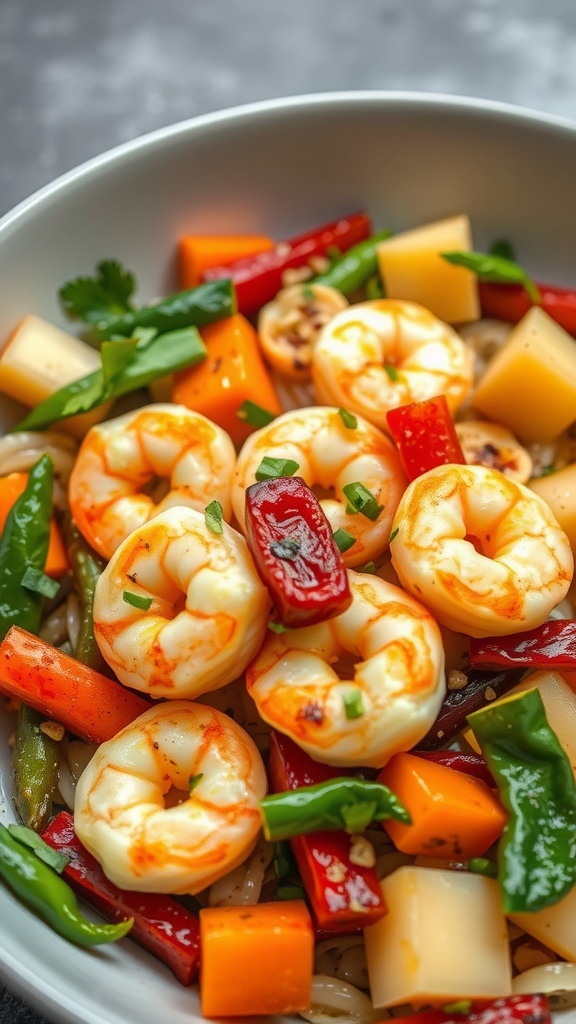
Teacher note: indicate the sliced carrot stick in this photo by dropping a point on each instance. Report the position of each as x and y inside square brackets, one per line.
[454, 816]
[256, 959]
[11, 487]
[90, 705]
[233, 373]
[198, 253]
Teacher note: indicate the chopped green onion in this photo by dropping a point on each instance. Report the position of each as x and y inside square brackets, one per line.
[343, 539]
[254, 415]
[391, 371]
[394, 534]
[39, 583]
[277, 627]
[271, 468]
[288, 548]
[308, 293]
[483, 866]
[213, 517]
[54, 858]
[348, 419]
[498, 269]
[353, 703]
[290, 892]
[459, 1006]
[137, 600]
[194, 780]
[369, 567]
[502, 247]
[362, 500]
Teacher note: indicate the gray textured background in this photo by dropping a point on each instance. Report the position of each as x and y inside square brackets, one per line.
[80, 76]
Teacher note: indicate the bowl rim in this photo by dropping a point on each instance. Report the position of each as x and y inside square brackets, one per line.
[409, 100]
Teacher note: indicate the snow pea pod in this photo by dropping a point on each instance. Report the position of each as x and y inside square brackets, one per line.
[24, 545]
[86, 567]
[340, 803]
[349, 272]
[537, 851]
[42, 889]
[35, 763]
[194, 307]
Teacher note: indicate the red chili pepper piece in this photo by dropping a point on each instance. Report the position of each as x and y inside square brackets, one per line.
[257, 279]
[161, 925]
[552, 645]
[294, 551]
[425, 436]
[470, 764]
[343, 895]
[511, 302]
[524, 1009]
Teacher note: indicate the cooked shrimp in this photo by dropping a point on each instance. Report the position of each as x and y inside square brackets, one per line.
[391, 648]
[120, 456]
[289, 325]
[330, 455]
[171, 803]
[180, 610]
[479, 551]
[377, 355]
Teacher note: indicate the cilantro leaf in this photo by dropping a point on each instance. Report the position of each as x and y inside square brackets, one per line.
[98, 298]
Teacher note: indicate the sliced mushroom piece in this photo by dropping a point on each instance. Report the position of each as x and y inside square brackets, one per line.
[556, 980]
[289, 325]
[493, 445]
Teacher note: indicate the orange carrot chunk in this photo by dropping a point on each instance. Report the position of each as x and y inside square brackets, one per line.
[11, 487]
[454, 816]
[197, 253]
[88, 704]
[233, 374]
[256, 959]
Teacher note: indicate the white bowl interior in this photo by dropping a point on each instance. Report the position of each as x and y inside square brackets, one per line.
[278, 167]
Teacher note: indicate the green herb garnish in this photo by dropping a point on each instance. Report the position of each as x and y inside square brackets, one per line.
[394, 534]
[254, 415]
[54, 858]
[271, 468]
[360, 499]
[213, 517]
[391, 371]
[353, 703]
[348, 419]
[98, 298]
[137, 600]
[39, 583]
[343, 540]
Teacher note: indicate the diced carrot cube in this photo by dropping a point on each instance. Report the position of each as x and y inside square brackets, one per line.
[197, 253]
[232, 373]
[256, 959]
[454, 816]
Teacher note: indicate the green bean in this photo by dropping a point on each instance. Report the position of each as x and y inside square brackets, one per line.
[86, 568]
[351, 270]
[35, 761]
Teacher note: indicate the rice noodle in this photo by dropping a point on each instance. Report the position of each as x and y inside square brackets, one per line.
[343, 957]
[74, 756]
[242, 887]
[336, 1002]
[20, 451]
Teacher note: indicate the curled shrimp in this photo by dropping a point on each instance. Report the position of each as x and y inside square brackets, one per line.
[119, 457]
[329, 456]
[171, 803]
[289, 325]
[480, 550]
[375, 356]
[395, 661]
[180, 610]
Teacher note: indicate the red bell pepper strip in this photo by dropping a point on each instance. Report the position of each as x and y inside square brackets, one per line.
[294, 551]
[511, 302]
[470, 764]
[425, 436]
[522, 1009]
[481, 688]
[343, 895]
[551, 645]
[161, 925]
[257, 279]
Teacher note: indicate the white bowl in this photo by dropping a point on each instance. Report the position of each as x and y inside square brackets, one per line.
[277, 167]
